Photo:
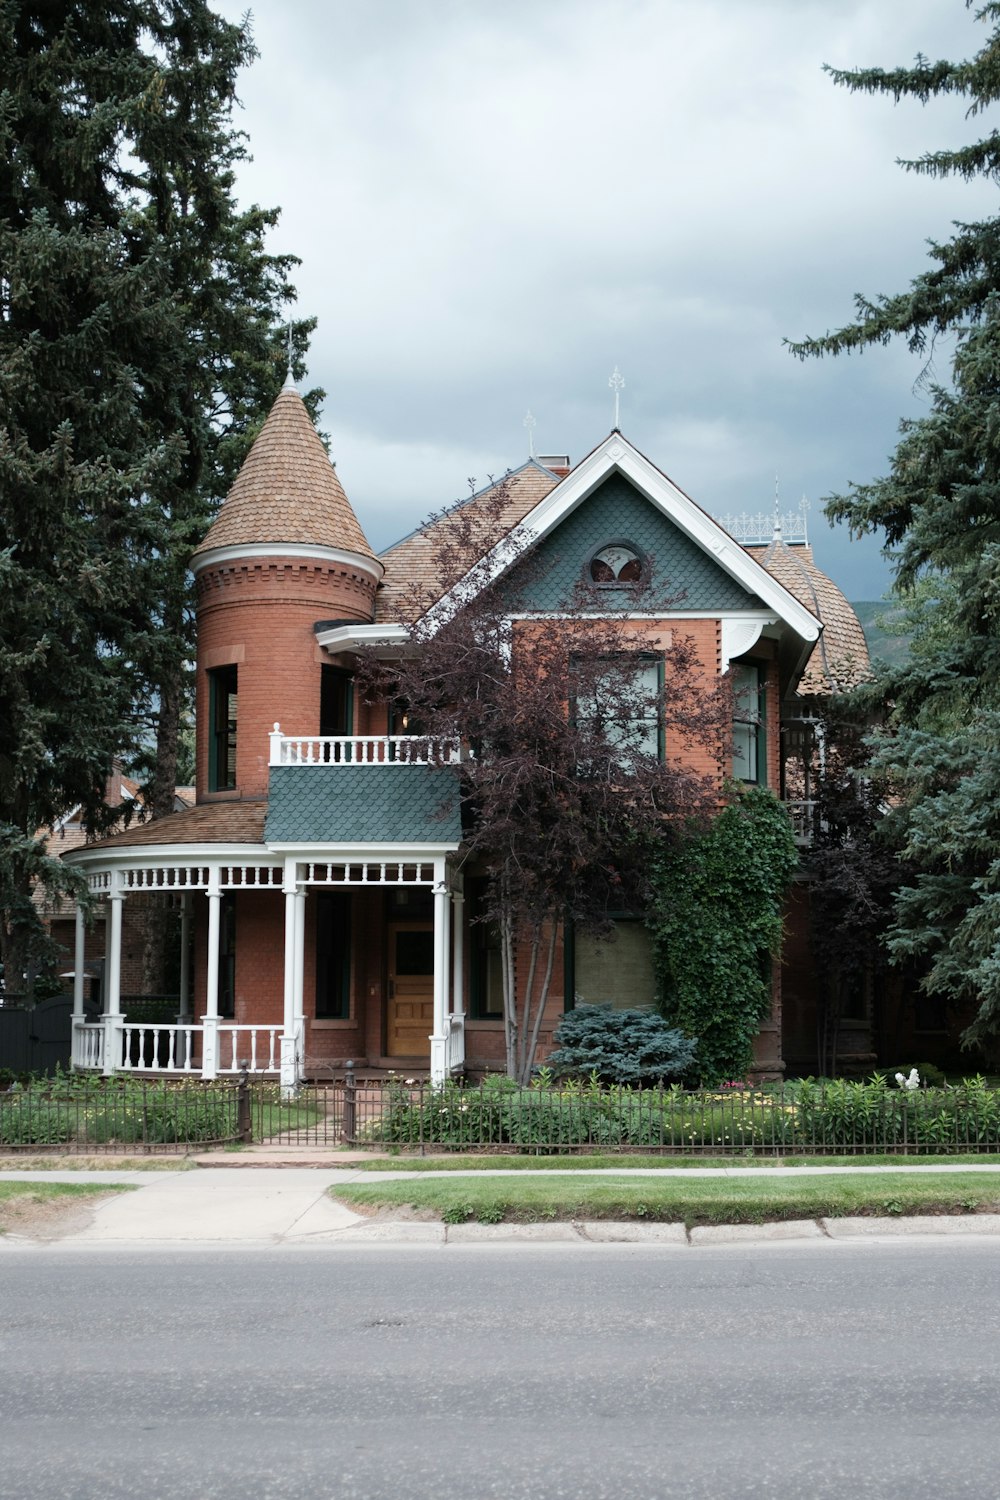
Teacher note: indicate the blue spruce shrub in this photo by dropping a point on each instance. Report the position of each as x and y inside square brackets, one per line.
[620, 1046]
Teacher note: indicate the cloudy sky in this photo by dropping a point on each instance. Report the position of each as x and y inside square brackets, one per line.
[496, 202]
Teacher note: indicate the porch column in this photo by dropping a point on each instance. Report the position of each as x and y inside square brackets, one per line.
[76, 1043]
[299, 980]
[113, 978]
[210, 1025]
[439, 1036]
[78, 962]
[182, 1054]
[288, 1060]
[457, 1047]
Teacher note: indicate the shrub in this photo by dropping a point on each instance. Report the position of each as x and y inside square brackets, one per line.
[620, 1046]
[26, 1120]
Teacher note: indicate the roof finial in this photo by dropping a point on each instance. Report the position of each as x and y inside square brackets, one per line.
[529, 422]
[804, 508]
[777, 512]
[617, 384]
[289, 384]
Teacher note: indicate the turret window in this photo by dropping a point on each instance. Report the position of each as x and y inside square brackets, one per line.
[222, 711]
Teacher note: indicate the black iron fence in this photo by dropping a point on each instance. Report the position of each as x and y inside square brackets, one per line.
[107, 1116]
[395, 1114]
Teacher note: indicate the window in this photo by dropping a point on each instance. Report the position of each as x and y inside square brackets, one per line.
[222, 711]
[333, 956]
[336, 701]
[616, 563]
[227, 955]
[622, 702]
[486, 964]
[615, 971]
[749, 759]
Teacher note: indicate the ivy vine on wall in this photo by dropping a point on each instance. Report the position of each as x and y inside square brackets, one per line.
[716, 919]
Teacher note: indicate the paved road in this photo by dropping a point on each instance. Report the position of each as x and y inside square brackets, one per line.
[764, 1373]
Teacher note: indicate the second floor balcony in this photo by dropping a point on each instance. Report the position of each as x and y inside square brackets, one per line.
[362, 750]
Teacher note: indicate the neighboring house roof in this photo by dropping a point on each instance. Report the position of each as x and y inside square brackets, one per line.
[344, 804]
[210, 823]
[287, 491]
[840, 657]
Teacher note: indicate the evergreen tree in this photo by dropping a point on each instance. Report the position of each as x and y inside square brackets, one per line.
[940, 508]
[139, 341]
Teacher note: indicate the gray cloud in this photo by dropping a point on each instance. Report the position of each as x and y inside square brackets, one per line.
[495, 204]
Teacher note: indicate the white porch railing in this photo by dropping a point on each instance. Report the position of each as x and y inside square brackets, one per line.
[152, 1048]
[88, 1045]
[361, 750]
[256, 1048]
[803, 816]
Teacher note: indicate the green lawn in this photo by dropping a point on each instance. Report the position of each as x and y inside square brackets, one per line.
[498, 1163]
[754, 1200]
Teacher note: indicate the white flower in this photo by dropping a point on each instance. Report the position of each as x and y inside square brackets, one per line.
[912, 1082]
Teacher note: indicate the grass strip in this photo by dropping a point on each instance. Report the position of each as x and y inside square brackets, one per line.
[497, 1163]
[675, 1200]
[21, 1195]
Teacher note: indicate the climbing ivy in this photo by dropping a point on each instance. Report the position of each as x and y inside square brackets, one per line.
[715, 917]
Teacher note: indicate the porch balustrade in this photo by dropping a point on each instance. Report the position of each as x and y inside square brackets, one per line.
[803, 815]
[361, 750]
[152, 1048]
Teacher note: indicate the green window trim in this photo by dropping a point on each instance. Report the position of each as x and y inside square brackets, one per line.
[333, 956]
[485, 964]
[336, 701]
[227, 955]
[643, 660]
[621, 919]
[223, 708]
[750, 722]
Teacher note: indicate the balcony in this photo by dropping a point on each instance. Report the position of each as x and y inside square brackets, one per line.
[362, 750]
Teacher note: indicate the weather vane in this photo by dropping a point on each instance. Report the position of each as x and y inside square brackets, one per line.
[529, 422]
[617, 384]
[777, 512]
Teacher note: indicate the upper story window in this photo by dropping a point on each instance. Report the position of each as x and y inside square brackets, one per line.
[616, 563]
[622, 701]
[222, 716]
[336, 701]
[749, 759]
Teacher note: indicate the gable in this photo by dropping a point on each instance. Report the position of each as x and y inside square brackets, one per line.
[683, 576]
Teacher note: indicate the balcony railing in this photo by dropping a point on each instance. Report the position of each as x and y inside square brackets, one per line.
[804, 816]
[361, 750]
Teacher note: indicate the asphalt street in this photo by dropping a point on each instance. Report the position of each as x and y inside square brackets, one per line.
[534, 1373]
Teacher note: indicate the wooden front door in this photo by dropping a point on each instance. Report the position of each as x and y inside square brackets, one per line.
[410, 1003]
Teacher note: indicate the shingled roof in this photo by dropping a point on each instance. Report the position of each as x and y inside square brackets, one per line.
[412, 565]
[840, 657]
[209, 823]
[287, 490]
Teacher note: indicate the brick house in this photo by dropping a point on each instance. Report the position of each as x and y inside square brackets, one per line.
[322, 910]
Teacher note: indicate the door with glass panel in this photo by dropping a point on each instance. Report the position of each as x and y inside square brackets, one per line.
[410, 1000]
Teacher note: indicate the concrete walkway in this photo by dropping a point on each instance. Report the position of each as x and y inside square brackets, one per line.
[290, 1206]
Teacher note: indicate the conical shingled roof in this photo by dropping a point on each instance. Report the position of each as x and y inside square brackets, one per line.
[840, 657]
[287, 490]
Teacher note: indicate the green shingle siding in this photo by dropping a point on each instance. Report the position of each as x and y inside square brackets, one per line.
[684, 577]
[362, 805]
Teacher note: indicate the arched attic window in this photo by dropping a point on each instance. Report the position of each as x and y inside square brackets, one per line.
[616, 563]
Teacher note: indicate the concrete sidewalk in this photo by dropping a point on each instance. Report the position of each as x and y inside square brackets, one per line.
[290, 1206]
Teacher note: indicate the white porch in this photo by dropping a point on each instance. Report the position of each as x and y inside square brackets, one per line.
[211, 1045]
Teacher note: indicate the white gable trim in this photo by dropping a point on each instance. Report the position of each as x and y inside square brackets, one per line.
[617, 455]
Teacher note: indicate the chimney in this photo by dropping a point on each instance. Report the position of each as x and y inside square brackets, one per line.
[556, 463]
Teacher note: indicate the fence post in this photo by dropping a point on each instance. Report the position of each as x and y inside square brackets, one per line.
[350, 1103]
[244, 1123]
